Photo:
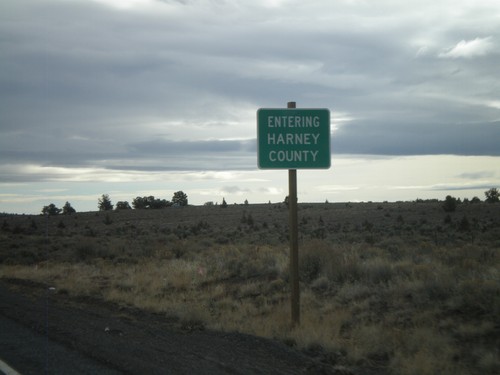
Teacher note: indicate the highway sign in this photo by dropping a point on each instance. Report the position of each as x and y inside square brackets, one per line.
[293, 138]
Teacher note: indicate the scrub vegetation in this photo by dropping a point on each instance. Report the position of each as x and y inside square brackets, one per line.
[398, 288]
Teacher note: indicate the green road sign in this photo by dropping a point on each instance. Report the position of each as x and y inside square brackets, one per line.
[293, 138]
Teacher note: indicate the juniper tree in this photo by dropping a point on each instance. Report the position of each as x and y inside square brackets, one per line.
[104, 203]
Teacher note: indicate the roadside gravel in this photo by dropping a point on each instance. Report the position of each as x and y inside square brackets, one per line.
[126, 340]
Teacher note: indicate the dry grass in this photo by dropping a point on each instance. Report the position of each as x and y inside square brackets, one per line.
[405, 300]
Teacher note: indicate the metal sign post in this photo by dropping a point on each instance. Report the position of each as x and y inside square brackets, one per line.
[294, 242]
[293, 139]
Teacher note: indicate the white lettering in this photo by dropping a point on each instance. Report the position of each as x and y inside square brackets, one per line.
[293, 122]
[292, 138]
[293, 155]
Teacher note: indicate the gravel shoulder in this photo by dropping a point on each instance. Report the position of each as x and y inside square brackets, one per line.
[125, 340]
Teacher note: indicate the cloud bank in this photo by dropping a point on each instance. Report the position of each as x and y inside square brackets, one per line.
[135, 86]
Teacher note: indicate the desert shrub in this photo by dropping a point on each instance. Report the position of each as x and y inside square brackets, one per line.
[318, 233]
[378, 345]
[88, 250]
[204, 243]
[447, 219]
[437, 289]
[321, 284]
[179, 249]
[276, 286]
[488, 361]
[244, 268]
[272, 263]
[249, 267]
[222, 240]
[424, 351]
[400, 220]
[201, 227]
[464, 225]
[18, 229]
[310, 267]
[478, 298]
[85, 252]
[467, 257]
[367, 225]
[376, 271]
[126, 286]
[394, 247]
[107, 220]
[182, 231]
[345, 266]
[313, 256]
[353, 292]
[26, 257]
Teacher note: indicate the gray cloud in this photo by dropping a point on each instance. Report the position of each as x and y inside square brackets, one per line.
[477, 175]
[82, 84]
[234, 190]
[161, 147]
[462, 187]
[409, 138]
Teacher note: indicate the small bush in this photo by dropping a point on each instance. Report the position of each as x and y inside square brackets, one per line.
[310, 267]
[447, 219]
[376, 271]
[313, 258]
[464, 225]
[478, 298]
[85, 252]
[107, 220]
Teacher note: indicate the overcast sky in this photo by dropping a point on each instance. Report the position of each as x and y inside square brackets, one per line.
[147, 97]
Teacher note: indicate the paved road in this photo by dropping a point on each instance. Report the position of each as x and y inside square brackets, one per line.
[45, 332]
[31, 353]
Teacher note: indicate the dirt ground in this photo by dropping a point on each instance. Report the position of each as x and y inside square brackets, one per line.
[134, 341]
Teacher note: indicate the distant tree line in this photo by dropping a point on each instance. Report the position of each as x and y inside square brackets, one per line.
[51, 209]
[104, 203]
[223, 204]
[140, 203]
[450, 203]
[180, 199]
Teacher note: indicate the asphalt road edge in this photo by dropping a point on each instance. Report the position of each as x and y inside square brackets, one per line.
[6, 369]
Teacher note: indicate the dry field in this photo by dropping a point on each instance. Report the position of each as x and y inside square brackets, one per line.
[400, 288]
